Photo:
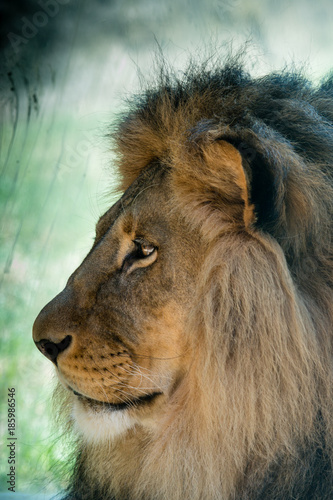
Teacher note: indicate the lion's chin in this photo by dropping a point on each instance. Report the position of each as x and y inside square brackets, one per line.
[98, 424]
[97, 421]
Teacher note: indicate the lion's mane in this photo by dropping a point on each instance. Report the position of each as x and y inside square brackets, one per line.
[253, 419]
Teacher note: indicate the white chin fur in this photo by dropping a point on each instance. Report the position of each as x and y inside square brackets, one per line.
[102, 425]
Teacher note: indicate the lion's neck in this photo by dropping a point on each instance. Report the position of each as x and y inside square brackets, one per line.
[141, 467]
[154, 467]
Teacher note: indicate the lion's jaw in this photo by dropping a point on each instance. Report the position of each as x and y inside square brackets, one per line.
[100, 425]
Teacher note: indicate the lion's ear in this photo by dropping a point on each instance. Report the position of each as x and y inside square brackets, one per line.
[227, 175]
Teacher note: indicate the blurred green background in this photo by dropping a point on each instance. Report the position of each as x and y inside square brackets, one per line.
[65, 67]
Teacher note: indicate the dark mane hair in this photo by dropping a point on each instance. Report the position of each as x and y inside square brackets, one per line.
[281, 124]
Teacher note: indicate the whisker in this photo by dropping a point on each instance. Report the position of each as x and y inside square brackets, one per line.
[146, 356]
[158, 384]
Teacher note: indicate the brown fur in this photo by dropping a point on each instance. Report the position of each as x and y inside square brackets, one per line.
[230, 318]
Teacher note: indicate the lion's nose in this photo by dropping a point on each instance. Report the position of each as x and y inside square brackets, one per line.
[51, 349]
[53, 328]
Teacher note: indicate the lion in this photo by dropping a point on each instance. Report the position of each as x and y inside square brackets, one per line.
[194, 342]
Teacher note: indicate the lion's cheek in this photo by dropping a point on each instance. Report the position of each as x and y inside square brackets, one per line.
[100, 425]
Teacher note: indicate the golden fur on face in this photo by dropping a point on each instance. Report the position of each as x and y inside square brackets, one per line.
[124, 309]
[195, 339]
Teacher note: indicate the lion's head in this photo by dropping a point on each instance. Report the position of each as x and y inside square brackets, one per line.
[124, 312]
[194, 341]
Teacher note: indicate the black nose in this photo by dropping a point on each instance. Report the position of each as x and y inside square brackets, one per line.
[51, 350]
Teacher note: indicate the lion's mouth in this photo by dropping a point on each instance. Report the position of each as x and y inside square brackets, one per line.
[125, 405]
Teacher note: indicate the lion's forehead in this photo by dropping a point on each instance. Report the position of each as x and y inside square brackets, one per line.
[145, 205]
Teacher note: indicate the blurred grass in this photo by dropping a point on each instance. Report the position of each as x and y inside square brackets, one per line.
[47, 222]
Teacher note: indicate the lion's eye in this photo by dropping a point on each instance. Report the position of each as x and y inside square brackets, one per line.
[144, 255]
[147, 250]
[144, 248]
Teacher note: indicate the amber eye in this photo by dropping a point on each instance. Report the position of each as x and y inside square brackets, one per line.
[144, 248]
[144, 255]
[147, 250]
